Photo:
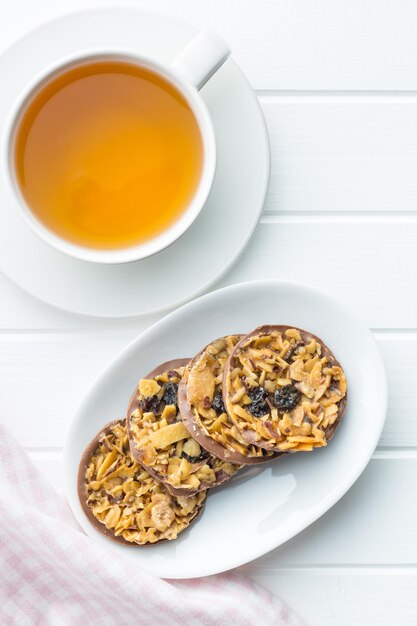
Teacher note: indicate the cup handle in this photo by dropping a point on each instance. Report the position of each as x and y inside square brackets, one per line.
[201, 58]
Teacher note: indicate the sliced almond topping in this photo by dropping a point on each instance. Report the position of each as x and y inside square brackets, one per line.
[148, 388]
[297, 370]
[169, 413]
[238, 395]
[293, 333]
[172, 433]
[191, 447]
[200, 385]
[107, 462]
[297, 415]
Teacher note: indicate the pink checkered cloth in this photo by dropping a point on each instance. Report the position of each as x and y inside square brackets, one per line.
[52, 573]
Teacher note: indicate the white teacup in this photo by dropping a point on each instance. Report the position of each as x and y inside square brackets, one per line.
[194, 66]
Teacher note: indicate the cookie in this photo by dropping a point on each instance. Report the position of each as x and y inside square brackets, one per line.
[284, 389]
[202, 410]
[161, 443]
[123, 501]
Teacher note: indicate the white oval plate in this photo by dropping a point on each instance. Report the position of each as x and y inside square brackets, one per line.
[215, 240]
[263, 507]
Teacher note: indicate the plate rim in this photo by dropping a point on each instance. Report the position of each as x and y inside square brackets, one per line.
[329, 501]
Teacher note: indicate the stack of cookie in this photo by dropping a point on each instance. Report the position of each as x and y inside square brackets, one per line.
[192, 424]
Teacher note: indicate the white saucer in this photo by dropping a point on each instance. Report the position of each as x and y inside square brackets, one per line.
[216, 239]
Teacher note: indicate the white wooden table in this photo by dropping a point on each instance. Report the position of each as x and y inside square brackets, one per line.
[337, 80]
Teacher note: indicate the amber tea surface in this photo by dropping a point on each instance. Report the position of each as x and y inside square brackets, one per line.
[108, 154]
